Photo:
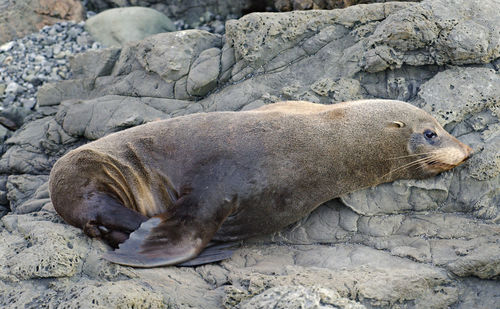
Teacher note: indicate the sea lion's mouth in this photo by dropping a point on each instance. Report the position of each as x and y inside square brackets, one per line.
[437, 166]
[434, 164]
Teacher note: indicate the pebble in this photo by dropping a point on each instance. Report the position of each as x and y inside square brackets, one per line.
[27, 63]
[12, 87]
[43, 57]
[6, 47]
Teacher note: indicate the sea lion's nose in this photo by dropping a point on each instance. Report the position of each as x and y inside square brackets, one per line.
[468, 152]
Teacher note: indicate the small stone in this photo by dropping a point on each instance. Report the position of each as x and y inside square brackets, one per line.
[40, 58]
[57, 27]
[208, 16]
[8, 60]
[52, 31]
[60, 55]
[206, 28]
[61, 74]
[28, 103]
[83, 39]
[73, 33]
[9, 98]
[218, 27]
[7, 46]
[12, 88]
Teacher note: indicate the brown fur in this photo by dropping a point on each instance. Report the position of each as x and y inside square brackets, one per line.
[231, 175]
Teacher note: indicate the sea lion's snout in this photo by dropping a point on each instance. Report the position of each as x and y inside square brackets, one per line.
[450, 156]
[465, 153]
[468, 152]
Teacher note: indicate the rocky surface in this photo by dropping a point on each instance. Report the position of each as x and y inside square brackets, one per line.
[290, 5]
[21, 17]
[413, 244]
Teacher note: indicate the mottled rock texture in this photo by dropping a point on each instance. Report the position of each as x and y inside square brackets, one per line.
[409, 244]
[289, 5]
[21, 17]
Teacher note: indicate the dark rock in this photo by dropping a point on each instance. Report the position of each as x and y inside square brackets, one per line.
[9, 124]
[3, 192]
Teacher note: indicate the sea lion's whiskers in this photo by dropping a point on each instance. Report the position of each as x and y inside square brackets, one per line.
[412, 155]
[408, 165]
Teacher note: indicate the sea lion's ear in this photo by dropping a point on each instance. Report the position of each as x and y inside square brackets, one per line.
[397, 124]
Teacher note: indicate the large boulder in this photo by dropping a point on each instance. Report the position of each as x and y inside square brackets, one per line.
[428, 243]
[115, 27]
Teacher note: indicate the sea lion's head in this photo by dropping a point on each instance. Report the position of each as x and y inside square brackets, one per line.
[422, 145]
[435, 150]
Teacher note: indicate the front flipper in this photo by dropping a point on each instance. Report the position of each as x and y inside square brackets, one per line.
[170, 239]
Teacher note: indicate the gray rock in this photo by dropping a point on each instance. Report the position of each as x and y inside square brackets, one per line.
[343, 268]
[155, 67]
[53, 94]
[94, 63]
[115, 27]
[14, 88]
[115, 113]
[170, 55]
[479, 293]
[204, 72]
[20, 188]
[283, 297]
[448, 37]
[35, 148]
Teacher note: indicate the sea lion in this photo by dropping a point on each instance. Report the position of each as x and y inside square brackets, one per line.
[166, 190]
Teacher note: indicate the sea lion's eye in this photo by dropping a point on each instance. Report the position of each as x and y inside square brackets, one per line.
[429, 134]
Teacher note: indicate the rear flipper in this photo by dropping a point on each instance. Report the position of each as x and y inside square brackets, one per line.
[213, 253]
[142, 250]
[171, 239]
